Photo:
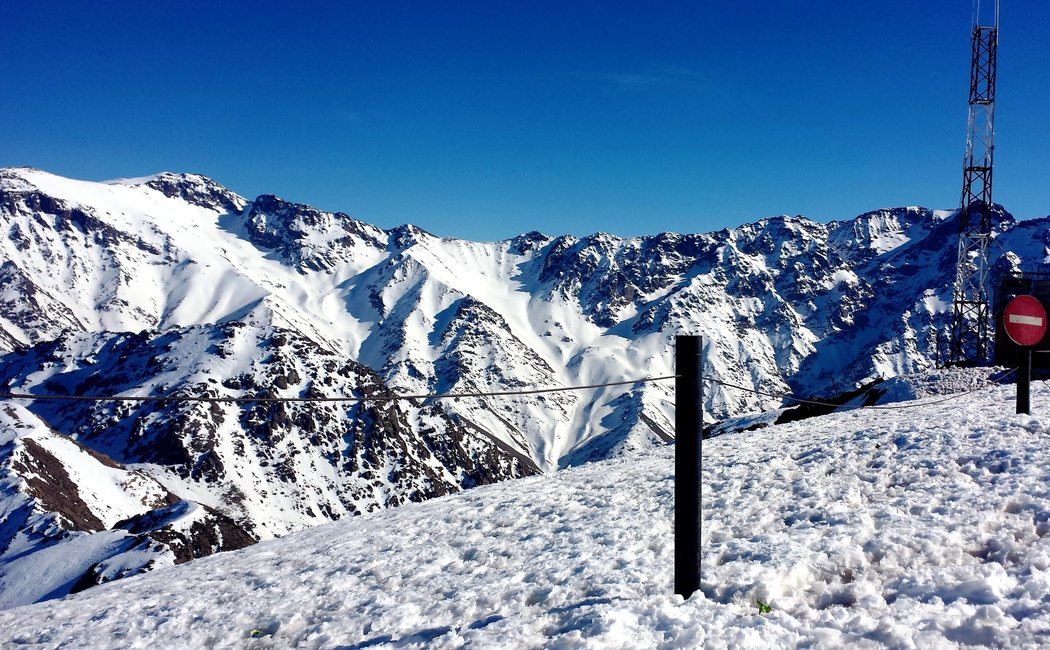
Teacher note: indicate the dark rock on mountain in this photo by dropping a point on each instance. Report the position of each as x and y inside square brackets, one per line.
[317, 460]
[307, 238]
[197, 190]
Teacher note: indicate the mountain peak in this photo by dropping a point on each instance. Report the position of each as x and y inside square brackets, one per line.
[17, 179]
[195, 189]
[308, 238]
[407, 235]
[528, 242]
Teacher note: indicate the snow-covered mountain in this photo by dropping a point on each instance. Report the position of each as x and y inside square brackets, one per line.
[923, 526]
[174, 285]
[73, 518]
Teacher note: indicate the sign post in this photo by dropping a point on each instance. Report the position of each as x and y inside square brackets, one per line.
[1024, 320]
[688, 424]
[1024, 383]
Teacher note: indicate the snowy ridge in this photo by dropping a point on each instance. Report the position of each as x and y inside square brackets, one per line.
[923, 527]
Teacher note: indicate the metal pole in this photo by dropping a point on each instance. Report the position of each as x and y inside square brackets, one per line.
[1024, 382]
[688, 422]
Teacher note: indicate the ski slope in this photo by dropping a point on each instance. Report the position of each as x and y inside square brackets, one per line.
[926, 526]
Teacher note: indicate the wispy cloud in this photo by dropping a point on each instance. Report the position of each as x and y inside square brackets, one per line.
[652, 79]
[346, 115]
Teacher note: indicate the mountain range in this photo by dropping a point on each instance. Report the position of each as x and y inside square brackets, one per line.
[172, 285]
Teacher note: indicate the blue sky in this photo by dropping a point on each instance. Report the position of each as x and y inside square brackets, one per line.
[486, 119]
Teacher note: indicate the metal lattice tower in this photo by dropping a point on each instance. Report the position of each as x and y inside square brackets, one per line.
[970, 298]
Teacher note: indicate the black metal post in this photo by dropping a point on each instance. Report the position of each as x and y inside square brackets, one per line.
[1024, 382]
[688, 423]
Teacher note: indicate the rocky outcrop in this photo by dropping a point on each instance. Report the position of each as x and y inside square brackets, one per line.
[71, 517]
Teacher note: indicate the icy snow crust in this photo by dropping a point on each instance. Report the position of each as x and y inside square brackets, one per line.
[923, 527]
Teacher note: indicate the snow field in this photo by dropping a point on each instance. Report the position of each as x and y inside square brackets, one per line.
[913, 531]
[921, 527]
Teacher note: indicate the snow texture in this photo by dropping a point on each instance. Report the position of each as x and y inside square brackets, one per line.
[922, 526]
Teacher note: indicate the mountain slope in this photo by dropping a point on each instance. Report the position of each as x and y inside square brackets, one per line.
[275, 467]
[73, 518]
[925, 526]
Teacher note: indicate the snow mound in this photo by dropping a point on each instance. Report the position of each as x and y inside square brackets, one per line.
[943, 381]
[920, 527]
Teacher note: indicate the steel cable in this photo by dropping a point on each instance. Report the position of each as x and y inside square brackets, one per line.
[381, 398]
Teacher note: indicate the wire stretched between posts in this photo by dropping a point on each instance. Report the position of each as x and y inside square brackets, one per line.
[378, 398]
[843, 408]
[773, 395]
[471, 394]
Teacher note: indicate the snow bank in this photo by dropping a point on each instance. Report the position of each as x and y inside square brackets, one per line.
[943, 381]
[925, 527]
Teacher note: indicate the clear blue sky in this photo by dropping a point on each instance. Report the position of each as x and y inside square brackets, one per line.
[486, 119]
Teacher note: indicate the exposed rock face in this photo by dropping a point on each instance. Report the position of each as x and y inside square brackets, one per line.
[71, 517]
[49, 484]
[306, 238]
[196, 190]
[274, 466]
[31, 314]
[208, 531]
[179, 532]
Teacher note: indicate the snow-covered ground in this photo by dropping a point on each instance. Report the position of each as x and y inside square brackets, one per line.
[922, 527]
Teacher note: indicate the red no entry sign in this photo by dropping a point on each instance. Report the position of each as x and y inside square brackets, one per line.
[1025, 320]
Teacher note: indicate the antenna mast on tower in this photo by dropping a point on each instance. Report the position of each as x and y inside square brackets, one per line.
[969, 342]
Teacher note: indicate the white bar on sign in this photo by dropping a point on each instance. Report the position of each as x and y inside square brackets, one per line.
[1025, 320]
